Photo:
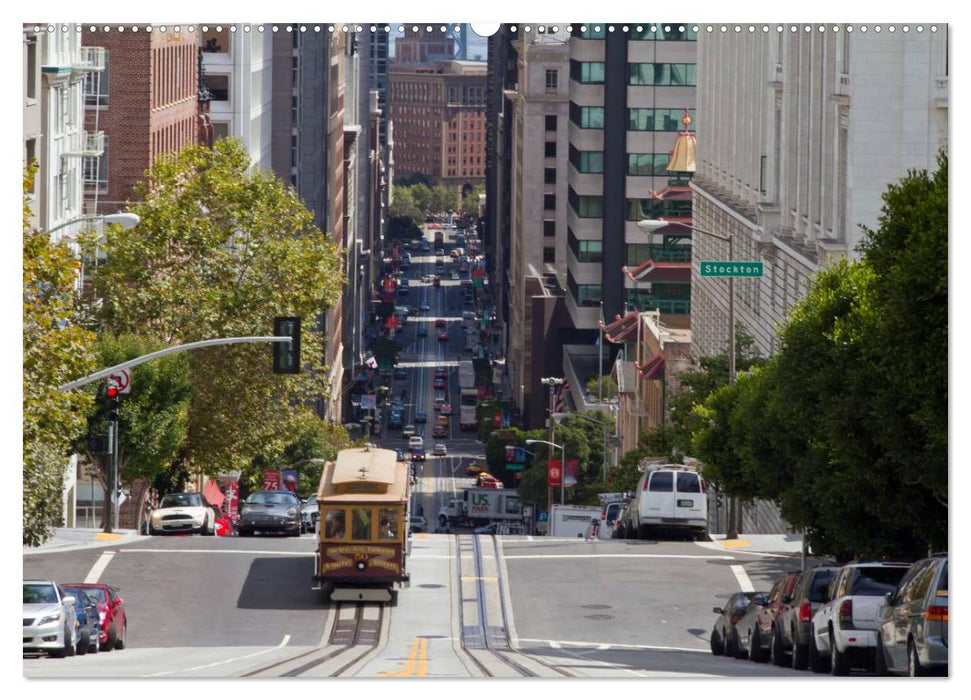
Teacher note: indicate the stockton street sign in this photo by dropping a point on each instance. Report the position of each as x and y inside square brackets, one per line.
[737, 268]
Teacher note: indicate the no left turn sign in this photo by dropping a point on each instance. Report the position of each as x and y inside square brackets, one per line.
[122, 380]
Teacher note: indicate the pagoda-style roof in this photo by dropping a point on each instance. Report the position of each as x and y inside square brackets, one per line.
[657, 271]
[621, 328]
[652, 369]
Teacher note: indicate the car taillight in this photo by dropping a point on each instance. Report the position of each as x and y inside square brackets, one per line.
[846, 614]
[704, 486]
[734, 618]
[805, 612]
[936, 613]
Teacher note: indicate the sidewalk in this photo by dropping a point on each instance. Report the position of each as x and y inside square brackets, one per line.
[67, 538]
[770, 544]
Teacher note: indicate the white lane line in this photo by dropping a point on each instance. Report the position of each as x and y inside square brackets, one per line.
[219, 551]
[560, 644]
[615, 556]
[743, 580]
[99, 567]
[224, 661]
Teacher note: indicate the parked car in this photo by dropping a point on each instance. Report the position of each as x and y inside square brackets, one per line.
[416, 441]
[473, 468]
[417, 523]
[50, 619]
[608, 517]
[441, 373]
[912, 627]
[89, 621]
[310, 510]
[795, 621]
[440, 323]
[440, 450]
[722, 638]
[439, 431]
[443, 337]
[766, 637]
[446, 409]
[422, 330]
[439, 383]
[454, 276]
[408, 431]
[113, 631]
[265, 511]
[742, 631]
[424, 306]
[845, 626]
[183, 512]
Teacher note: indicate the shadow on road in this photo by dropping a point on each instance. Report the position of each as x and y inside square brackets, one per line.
[280, 583]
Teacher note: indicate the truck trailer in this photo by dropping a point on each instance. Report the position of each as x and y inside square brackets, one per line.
[481, 506]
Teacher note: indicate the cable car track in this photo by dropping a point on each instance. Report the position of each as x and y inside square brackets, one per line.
[348, 634]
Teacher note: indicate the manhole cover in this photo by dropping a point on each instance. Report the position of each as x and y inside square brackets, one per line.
[431, 585]
[599, 616]
[595, 606]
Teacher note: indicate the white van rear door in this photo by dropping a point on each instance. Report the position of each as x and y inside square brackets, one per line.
[690, 503]
[660, 495]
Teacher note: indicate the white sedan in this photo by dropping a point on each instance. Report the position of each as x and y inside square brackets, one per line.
[440, 450]
[183, 512]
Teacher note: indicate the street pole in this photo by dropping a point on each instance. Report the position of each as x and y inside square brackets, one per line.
[115, 484]
[109, 510]
[735, 507]
[563, 472]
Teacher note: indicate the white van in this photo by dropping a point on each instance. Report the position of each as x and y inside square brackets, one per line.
[670, 497]
[416, 441]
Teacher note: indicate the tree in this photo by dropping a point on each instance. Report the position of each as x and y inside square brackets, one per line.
[470, 202]
[609, 386]
[219, 251]
[56, 350]
[153, 418]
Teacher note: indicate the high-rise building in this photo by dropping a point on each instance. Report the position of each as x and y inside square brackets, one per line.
[800, 133]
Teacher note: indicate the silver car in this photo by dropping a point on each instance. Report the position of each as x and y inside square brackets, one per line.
[309, 512]
[267, 511]
[50, 619]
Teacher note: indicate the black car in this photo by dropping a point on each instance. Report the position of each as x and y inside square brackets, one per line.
[722, 639]
[795, 622]
[89, 621]
[269, 511]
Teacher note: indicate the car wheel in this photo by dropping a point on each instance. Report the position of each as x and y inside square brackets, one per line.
[880, 659]
[800, 654]
[755, 651]
[83, 642]
[838, 663]
[914, 669]
[817, 662]
[737, 645]
[717, 646]
[112, 638]
[95, 645]
[70, 644]
[208, 528]
[153, 532]
[120, 642]
[778, 654]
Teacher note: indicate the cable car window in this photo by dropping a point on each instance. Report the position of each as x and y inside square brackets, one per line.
[388, 526]
[361, 524]
[334, 524]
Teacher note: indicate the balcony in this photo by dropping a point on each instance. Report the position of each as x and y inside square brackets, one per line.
[91, 59]
[86, 144]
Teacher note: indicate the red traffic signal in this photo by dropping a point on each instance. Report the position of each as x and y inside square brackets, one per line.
[112, 391]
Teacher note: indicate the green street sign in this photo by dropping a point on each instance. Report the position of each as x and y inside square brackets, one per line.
[515, 467]
[736, 268]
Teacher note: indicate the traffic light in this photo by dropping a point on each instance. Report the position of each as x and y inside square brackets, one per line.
[113, 398]
[286, 356]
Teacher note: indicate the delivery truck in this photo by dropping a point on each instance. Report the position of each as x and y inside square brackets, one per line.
[572, 521]
[481, 506]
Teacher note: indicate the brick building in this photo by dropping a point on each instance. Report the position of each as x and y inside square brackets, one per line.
[146, 102]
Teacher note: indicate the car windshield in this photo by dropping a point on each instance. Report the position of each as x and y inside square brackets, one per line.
[273, 498]
[96, 594]
[177, 500]
[80, 596]
[942, 584]
[877, 580]
[39, 593]
[819, 586]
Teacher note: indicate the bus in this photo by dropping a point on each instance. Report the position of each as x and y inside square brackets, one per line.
[362, 538]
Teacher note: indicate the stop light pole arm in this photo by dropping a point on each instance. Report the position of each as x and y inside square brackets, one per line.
[101, 374]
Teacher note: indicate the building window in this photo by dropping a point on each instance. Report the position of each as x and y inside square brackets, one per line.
[549, 255]
[587, 161]
[550, 149]
[96, 171]
[584, 294]
[549, 228]
[666, 32]
[31, 63]
[658, 120]
[551, 122]
[96, 88]
[549, 202]
[549, 176]
[647, 164]
[590, 31]
[638, 209]
[591, 72]
[220, 130]
[218, 87]
[30, 155]
[585, 206]
[585, 251]
[661, 74]
[587, 117]
[552, 80]
[215, 42]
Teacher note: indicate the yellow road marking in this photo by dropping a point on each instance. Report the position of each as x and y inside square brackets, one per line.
[419, 653]
[107, 536]
[735, 543]
[420, 536]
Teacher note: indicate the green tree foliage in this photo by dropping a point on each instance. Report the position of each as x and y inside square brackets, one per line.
[153, 419]
[835, 429]
[404, 216]
[220, 250]
[609, 387]
[470, 203]
[56, 350]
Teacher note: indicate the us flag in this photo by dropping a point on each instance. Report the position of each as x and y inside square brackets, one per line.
[560, 400]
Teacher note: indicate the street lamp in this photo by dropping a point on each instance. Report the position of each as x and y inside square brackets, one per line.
[562, 449]
[651, 225]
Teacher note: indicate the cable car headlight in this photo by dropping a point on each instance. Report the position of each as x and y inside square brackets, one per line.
[361, 565]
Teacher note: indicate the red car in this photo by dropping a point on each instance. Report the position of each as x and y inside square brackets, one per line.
[446, 409]
[440, 431]
[439, 383]
[443, 336]
[441, 373]
[113, 630]
[765, 636]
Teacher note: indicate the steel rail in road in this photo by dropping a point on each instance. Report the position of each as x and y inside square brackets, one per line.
[347, 636]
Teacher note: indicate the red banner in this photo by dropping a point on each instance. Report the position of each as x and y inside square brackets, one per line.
[230, 489]
[553, 473]
[497, 419]
[271, 481]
